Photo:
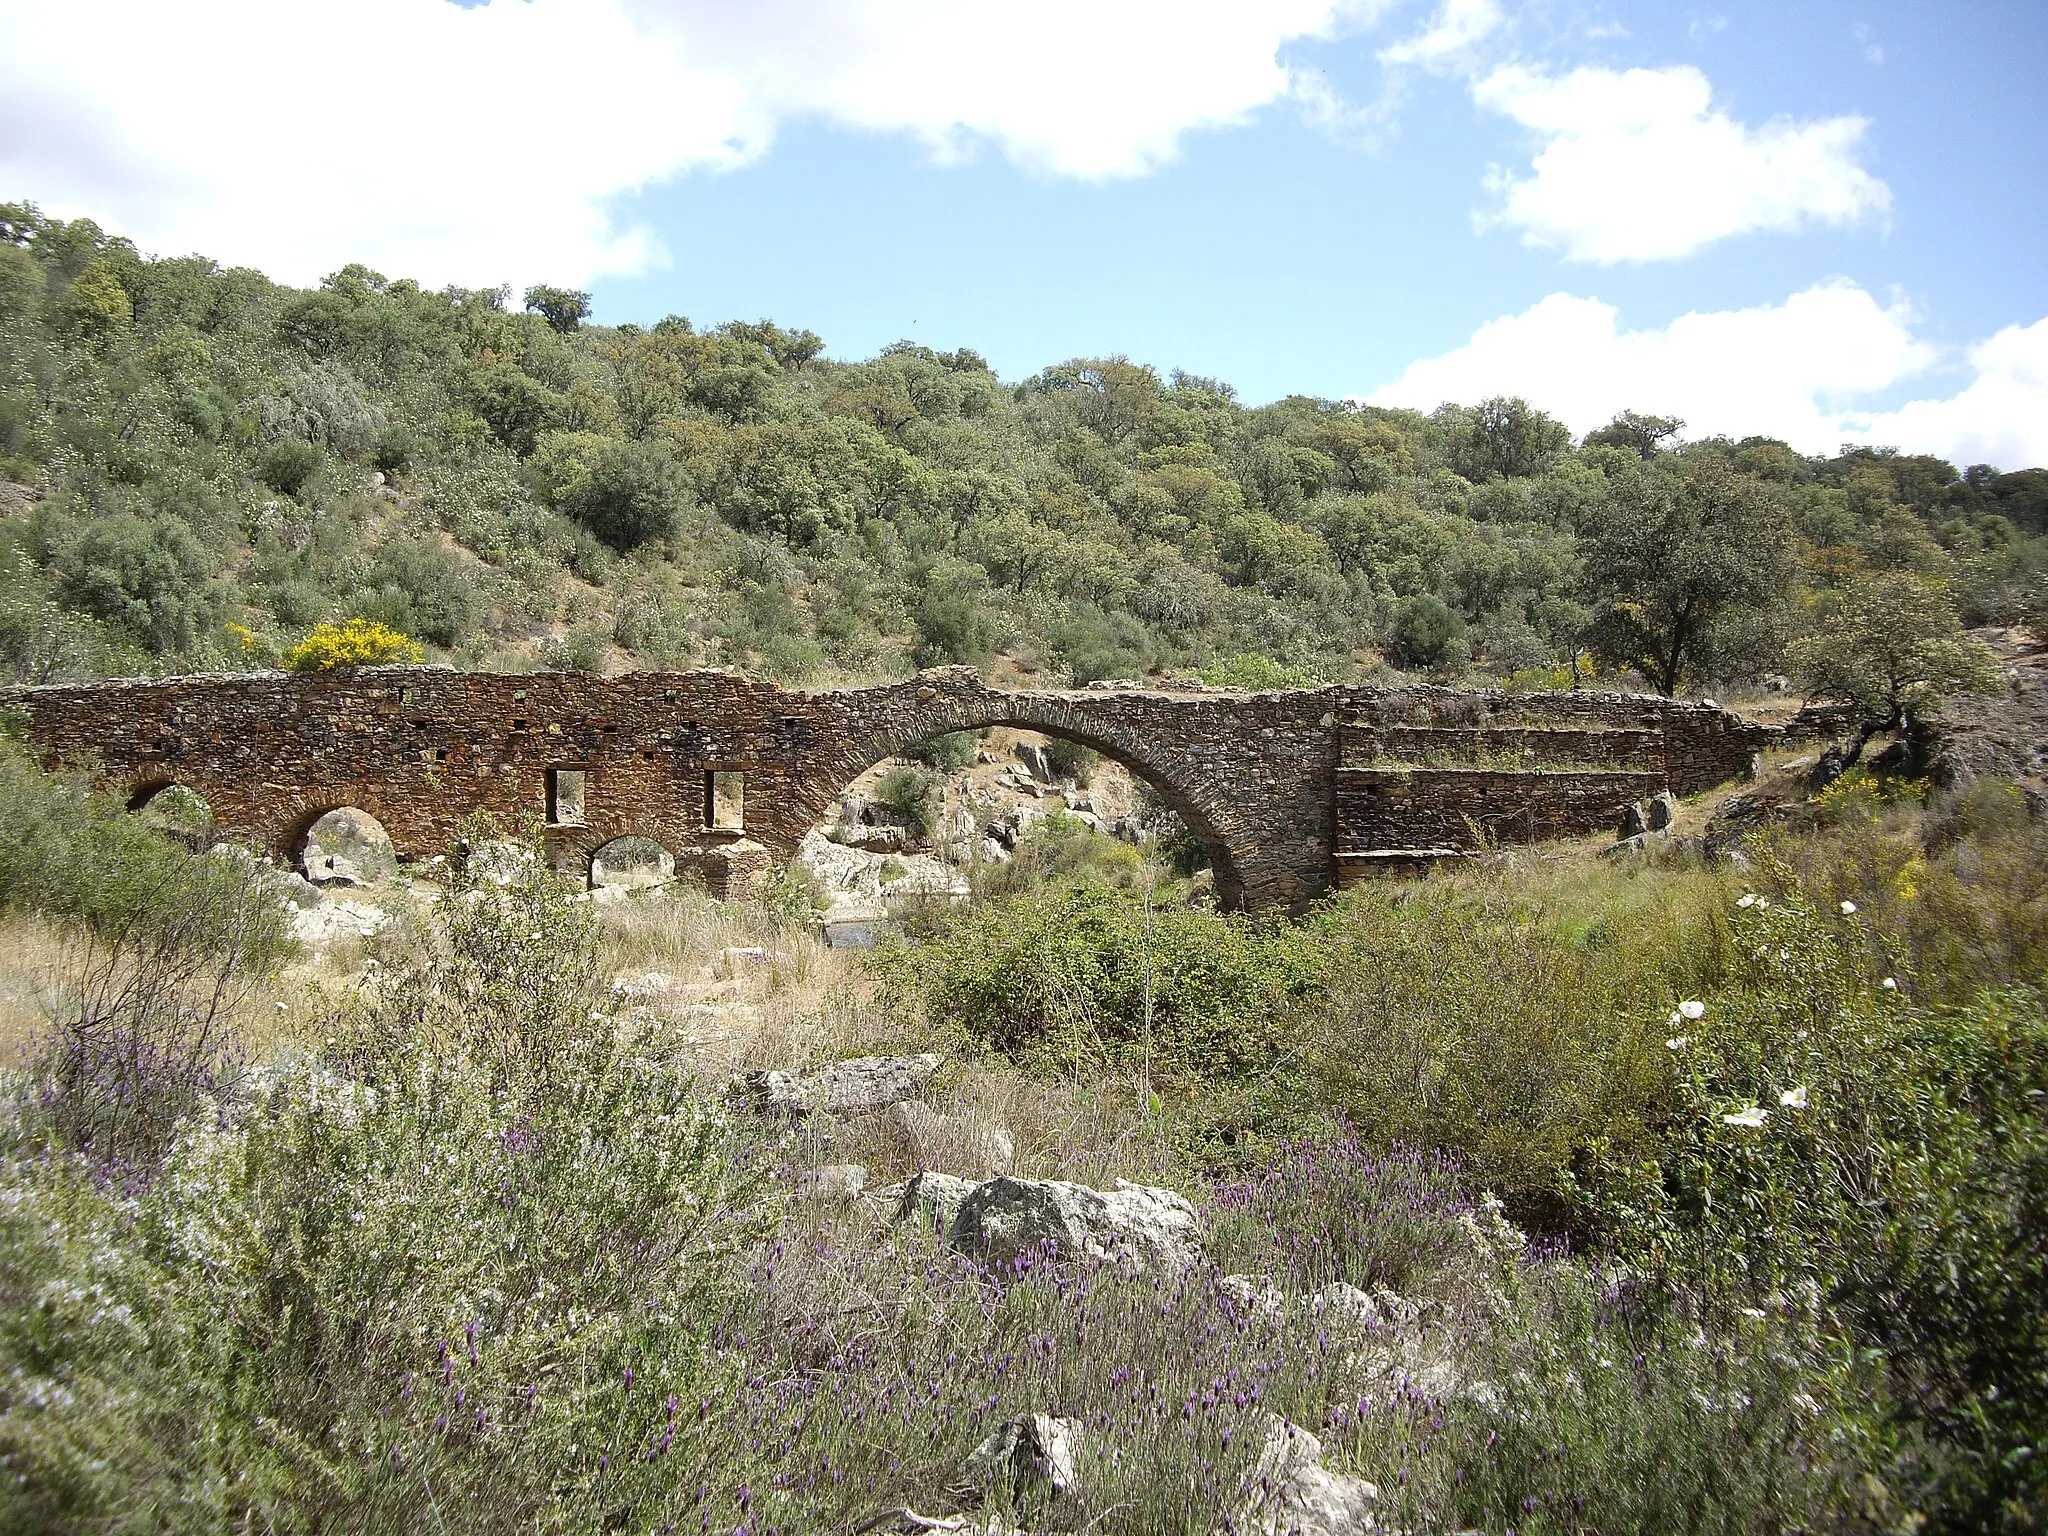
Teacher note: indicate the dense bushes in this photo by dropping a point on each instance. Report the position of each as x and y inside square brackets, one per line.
[148, 575]
[291, 1325]
[1084, 979]
[1096, 520]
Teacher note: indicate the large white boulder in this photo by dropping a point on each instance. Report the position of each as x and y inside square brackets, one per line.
[1148, 1228]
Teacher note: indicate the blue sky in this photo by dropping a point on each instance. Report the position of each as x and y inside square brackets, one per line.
[1287, 258]
[1821, 221]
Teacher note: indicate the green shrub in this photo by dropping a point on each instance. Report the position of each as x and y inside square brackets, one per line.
[420, 587]
[948, 753]
[1058, 979]
[396, 447]
[951, 627]
[633, 495]
[916, 796]
[1428, 632]
[1257, 673]
[1069, 759]
[288, 465]
[1473, 1020]
[70, 852]
[468, 1254]
[151, 575]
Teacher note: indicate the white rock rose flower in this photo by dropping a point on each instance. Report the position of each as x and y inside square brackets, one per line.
[1751, 1118]
[1794, 1098]
[1692, 1008]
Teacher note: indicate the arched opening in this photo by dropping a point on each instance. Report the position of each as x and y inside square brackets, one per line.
[345, 846]
[631, 863]
[178, 811]
[933, 816]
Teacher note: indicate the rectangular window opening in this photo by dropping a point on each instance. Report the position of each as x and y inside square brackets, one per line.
[565, 797]
[725, 800]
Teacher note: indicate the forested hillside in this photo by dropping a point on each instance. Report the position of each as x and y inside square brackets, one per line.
[197, 464]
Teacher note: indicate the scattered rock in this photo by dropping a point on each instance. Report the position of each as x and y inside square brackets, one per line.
[336, 869]
[1663, 810]
[1031, 1459]
[932, 1200]
[1036, 760]
[1639, 842]
[1735, 818]
[294, 888]
[1349, 1307]
[735, 963]
[636, 989]
[332, 920]
[1251, 1295]
[1007, 1218]
[834, 1184]
[1289, 1492]
[951, 1141]
[1633, 823]
[866, 1082]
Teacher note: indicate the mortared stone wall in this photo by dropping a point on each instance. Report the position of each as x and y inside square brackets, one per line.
[1275, 785]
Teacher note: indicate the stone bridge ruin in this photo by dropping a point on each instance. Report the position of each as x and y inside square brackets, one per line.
[1292, 793]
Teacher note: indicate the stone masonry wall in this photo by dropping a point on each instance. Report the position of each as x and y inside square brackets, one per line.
[1464, 808]
[1253, 775]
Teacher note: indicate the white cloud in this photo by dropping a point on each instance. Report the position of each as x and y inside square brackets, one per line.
[1458, 27]
[1638, 165]
[2000, 417]
[465, 145]
[1795, 370]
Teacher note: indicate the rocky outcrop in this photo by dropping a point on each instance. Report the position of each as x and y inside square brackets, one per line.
[348, 847]
[842, 1087]
[1289, 1492]
[1030, 1461]
[834, 1184]
[930, 1200]
[1010, 1218]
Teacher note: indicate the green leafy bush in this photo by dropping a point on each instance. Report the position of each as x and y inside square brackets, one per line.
[419, 587]
[151, 575]
[289, 465]
[949, 753]
[917, 797]
[633, 494]
[466, 1254]
[1257, 673]
[1428, 632]
[1059, 979]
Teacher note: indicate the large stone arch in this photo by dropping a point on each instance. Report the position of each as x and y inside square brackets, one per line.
[1207, 817]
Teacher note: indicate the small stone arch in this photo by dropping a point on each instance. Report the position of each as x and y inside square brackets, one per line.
[640, 862]
[1208, 822]
[177, 810]
[341, 844]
